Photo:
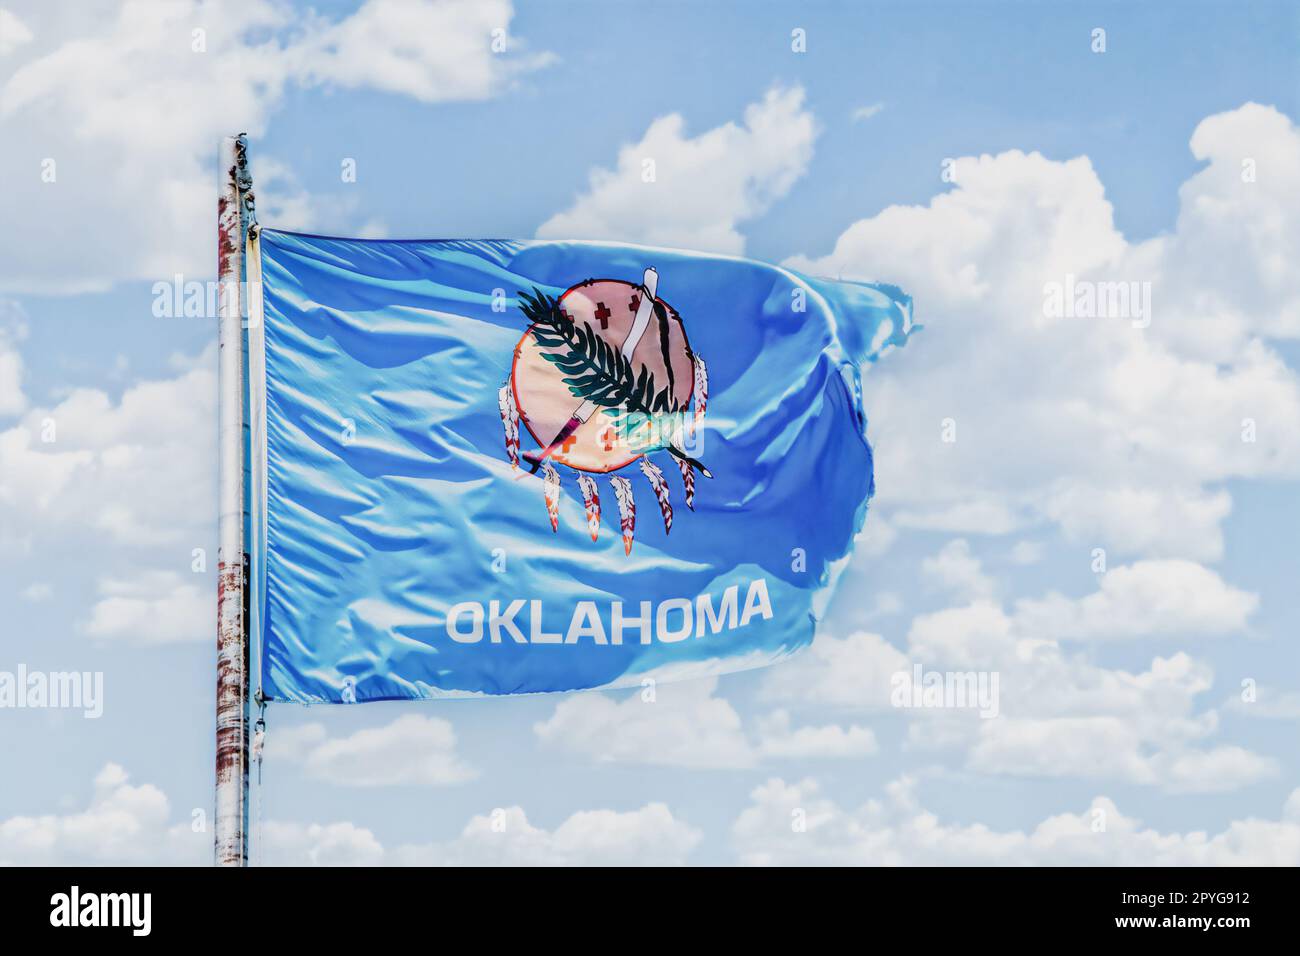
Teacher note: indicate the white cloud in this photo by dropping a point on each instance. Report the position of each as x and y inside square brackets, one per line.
[39, 591]
[684, 725]
[650, 836]
[1229, 263]
[411, 751]
[317, 844]
[1110, 747]
[1265, 702]
[681, 724]
[852, 672]
[123, 824]
[1058, 714]
[13, 329]
[137, 470]
[1147, 599]
[128, 824]
[1026, 552]
[703, 186]
[778, 739]
[1121, 436]
[131, 94]
[955, 570]
[153, 607]
[13, 32]
[898, 830]
[431, 52]
[131, 481]
[866, 112]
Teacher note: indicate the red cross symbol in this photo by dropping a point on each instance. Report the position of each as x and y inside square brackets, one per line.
[568, 443]
[603, 315]
[609, 436]
[635, 303]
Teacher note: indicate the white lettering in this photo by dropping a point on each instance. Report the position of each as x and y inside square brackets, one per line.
[475, 612]
[757, 602]
[620, 622]
[497, 620]
[669, 635]
[586, 623]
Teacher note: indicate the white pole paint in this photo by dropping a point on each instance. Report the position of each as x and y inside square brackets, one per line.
[231, 819]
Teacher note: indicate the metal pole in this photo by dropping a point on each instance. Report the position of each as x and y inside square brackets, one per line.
[231, 818]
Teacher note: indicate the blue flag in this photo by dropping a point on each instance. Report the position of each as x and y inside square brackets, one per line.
[498, 467]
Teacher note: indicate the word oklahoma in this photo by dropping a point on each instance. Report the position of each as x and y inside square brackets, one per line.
[668, 621]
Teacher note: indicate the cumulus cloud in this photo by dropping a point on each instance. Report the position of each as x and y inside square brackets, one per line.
[898, 830]
[411, 751]
[126, 109]
[1264, 701]
[129, 824]
[780, 739]
[1227, 262]
[132, 481]
[685, 725]
[286, 843]
[957, 571]
[700, 188]
[13, 32]
[1026, 552]
[1120, 435]
[681, 724]
[1147, 599]
[123, 824]
[650, 836]
[138, 470]
[13, 329]
[1062, 715]
[852, 672]
[1058, 714]
[153, 607]
[1109, 747]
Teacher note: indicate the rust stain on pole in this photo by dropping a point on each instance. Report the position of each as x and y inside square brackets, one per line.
[231, 817]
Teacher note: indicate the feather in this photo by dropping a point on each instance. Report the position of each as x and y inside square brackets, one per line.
[688, 482]
[660, 485]
[590, 500]
[509, 422]
[626, 509]
[701, 392]
[551, 489]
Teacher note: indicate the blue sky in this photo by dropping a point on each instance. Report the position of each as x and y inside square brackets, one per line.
[1071, 438]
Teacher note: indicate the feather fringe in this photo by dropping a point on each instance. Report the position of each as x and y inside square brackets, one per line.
[551, 489]
[688, 482]
[701, 392]
[660, 485]
[626, 509]
[591, 501]
[509, 423]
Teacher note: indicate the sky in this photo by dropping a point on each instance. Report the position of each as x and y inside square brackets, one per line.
[1098, 510]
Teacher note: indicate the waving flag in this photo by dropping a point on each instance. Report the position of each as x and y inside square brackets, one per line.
[494, 467]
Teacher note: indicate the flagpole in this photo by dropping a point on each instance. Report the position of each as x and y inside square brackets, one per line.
[231, 818]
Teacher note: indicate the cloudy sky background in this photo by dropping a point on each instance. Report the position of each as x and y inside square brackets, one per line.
[1121, 691]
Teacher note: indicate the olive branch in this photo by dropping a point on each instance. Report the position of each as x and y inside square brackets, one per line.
[596, 372]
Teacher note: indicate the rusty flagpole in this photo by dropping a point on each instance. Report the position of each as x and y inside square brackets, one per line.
[231, 818]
